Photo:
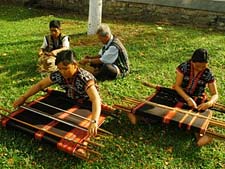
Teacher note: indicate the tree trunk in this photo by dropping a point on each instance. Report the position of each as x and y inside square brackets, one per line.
[95, 16]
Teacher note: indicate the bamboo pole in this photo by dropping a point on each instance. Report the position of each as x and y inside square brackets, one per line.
[215, 135]
[150, 85]
[123, 108]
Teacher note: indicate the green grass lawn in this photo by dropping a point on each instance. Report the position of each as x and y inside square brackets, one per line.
[154, 52]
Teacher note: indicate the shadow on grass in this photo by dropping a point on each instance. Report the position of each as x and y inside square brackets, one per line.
[164, 140]
[21, 43]
[12, 13]
[20, 69]
[37, 153]
[15, 13]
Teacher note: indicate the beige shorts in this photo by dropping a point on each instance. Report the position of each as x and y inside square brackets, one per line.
[46, 64]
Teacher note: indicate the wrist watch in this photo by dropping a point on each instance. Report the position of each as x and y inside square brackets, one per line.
[93, 121]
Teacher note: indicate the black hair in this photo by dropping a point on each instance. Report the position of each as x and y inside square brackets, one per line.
[200, 55]
[54, 24]
[66, 57]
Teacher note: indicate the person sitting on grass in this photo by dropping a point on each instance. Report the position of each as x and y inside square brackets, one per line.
[52, 44]
[192, 77]
[79, 84]
[112, 60]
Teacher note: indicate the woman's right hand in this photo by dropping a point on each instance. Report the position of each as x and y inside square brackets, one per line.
[191, 103]
[19, 101]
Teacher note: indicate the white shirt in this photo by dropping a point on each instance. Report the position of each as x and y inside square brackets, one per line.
[65, 42]
[110, 55]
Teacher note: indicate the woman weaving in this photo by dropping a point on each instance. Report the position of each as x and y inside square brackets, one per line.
[192, 78]
[78, 83]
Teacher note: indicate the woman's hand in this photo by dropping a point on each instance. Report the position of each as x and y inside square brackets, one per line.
[92, 129]
[191, 103]
[40, 53]
[204, 106]
[54, 53]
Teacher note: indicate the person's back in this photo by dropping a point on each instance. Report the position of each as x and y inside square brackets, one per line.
[122, 60]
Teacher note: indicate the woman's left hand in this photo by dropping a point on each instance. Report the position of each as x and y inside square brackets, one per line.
[204, 106]
[53, 53]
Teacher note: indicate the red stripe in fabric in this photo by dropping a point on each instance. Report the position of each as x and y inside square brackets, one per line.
[170, 114]
[6, 120]
[141, 104]
[195, 84]
[77, 135]
[40, 134]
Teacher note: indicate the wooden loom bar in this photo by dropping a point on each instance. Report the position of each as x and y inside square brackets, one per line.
[49, 132]
[123, 108]
[106, 107]
[60, 120]
[76, 115]
[57, 108]
[212, 121]
[192, 121]
[51, 117]
[91, 142]
[188, 112]
[215, 135]
[183, 119]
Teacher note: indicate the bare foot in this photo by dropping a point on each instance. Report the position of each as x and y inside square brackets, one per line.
[203, 140]
[132, 117]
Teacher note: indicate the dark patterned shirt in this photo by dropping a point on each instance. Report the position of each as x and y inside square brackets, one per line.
[76, 86]
[194, 86]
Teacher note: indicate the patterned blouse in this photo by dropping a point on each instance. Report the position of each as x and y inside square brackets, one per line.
[76, 86]
[194, 86]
